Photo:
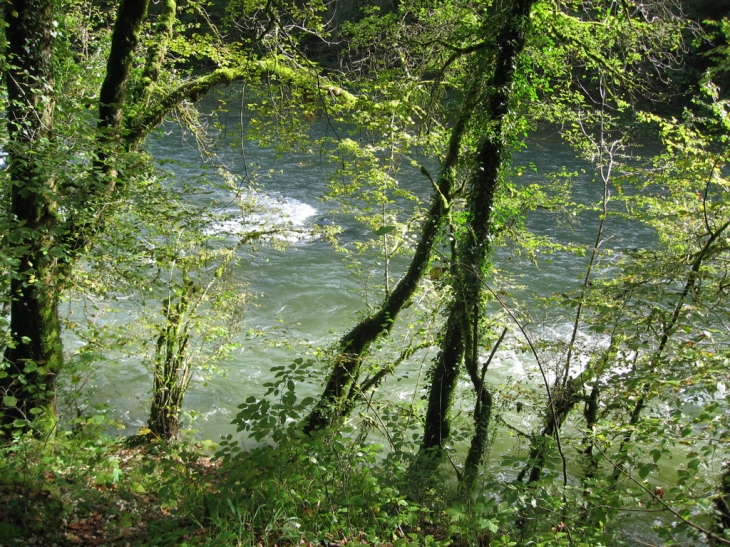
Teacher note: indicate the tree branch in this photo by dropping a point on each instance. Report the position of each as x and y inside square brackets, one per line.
[196, 89]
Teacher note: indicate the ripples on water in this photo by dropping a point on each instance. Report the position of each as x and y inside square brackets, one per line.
[306, 292]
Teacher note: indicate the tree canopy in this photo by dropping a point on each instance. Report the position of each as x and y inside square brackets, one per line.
[628, 386]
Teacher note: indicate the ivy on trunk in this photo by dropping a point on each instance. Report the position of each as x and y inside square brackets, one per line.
[466, 311]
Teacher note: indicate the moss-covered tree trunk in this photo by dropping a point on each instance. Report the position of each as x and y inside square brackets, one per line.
[156, 52]
[341, 390]
[473, 248]
[44, 244]
[34, 354]
[86, 220]
[171, 369]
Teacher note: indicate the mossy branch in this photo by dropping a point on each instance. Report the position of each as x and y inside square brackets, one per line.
[156, 52]
[125, 38]
[194, 90]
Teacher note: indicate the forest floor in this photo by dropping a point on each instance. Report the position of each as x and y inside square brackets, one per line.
[109, 493]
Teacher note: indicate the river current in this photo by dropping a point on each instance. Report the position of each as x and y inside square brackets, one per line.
[306, 291]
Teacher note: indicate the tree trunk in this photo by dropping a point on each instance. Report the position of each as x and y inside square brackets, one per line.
[171, 378]
[337, 399]
[482, 410]
[35, 353]
[125, 38]
[156, 52]
[562, 401]
[172, 366]
[473, 248]
[86, 221]
[35, 356]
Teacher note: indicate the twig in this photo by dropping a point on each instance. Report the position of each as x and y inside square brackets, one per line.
[660, 500]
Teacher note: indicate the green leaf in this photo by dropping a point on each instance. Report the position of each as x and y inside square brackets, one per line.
[116, 475]
[644, 471]
[384, 230]
[10, 401]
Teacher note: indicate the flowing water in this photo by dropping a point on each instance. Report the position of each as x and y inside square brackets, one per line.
[306, 292]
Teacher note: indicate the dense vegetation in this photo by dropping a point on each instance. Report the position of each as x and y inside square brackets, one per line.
[625, 412]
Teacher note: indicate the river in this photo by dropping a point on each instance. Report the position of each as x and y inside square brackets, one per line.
[306, 292]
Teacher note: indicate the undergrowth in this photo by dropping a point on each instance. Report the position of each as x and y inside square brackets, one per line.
[106, 491]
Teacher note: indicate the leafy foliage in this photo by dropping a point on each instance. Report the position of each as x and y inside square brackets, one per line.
[624, 404]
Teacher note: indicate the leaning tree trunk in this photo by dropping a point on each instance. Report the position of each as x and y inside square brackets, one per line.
[466, 310]
[34, 354]
[342, 387]
[85, 222]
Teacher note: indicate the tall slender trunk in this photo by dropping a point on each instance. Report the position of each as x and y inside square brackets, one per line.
[467, 307]
[35, 353]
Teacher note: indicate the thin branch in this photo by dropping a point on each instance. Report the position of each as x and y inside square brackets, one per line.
[619, 468]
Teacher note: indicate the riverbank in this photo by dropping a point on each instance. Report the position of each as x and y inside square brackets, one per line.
[106, 491]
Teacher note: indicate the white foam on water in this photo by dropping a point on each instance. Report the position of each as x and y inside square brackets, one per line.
[267, 212]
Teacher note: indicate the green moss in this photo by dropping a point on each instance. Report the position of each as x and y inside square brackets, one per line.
[10, 532]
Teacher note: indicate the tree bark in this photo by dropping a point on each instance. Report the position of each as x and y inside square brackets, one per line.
[482, 411]
[156, 52]
[35, 352]
[86, 220]
[125, 38]
[473, 247]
